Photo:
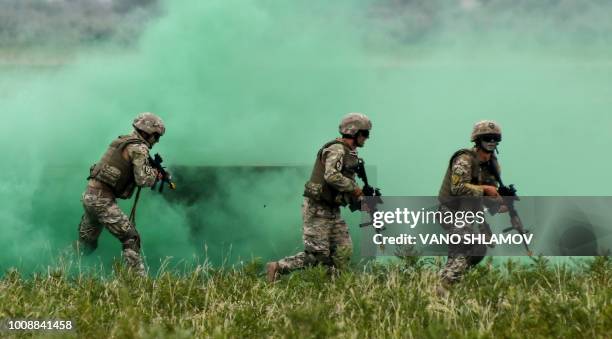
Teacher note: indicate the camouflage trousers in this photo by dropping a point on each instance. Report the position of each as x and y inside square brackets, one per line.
[326, 239]
[461, 257]
[102, 211]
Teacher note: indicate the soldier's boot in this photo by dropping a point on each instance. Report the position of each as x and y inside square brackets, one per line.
[272, 271]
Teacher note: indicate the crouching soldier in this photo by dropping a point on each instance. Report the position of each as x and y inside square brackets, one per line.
[332, 184]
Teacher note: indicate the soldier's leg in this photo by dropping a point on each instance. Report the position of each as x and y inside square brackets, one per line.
[316, 248]
[119, 225]
[89, 227]
[316, 231]
[458, 258]
[341, 245]
[455, 267]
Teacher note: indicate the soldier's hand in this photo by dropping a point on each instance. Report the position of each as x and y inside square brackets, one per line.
[503, 209]
[160, 176]
[365, 207]
[490, 191]
[358, 192]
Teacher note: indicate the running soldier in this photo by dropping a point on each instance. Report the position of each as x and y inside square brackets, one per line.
[122, 168]
[468, 178]
[332, 184]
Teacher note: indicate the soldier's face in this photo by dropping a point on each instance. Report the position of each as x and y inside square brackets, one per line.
[362, 136]
[489, 146]
[154, 139]
[156, 136]
[489, 142]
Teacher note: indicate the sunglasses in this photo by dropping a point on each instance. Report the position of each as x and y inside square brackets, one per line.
[365, 133]
[491, 138]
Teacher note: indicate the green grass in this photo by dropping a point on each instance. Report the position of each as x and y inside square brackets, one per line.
[394, 300]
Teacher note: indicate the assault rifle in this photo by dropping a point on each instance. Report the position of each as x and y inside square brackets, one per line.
[508, 194]
[372, 194]
[156, 163]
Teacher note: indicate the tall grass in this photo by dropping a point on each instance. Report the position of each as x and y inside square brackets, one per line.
[394, 300]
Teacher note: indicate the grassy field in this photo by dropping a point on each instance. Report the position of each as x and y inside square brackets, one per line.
[397, 300]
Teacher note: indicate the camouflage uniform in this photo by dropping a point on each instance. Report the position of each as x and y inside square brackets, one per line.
[100, 205]
[464, 177]
[326, 236]
[326, 239]
[332, 184]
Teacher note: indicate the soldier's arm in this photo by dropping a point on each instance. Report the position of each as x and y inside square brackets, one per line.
[144, 174]
[334, 157]
[461, 177]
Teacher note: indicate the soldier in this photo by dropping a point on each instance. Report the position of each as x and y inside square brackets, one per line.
[124, 166]
[469, 176]
[332, 184]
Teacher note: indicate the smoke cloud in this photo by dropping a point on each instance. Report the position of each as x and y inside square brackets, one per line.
[251, 84]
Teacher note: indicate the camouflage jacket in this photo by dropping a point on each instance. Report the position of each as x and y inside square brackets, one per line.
[124, 166]
[462, 183]
[333, 177]
[138, 154]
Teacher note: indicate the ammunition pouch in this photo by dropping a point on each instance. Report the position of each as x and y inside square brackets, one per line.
[313, 190]
[107, 174]
[322, 193]
[114, 170]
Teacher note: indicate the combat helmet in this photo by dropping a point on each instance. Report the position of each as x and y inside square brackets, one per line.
[149, 123]
[354, 122]
[485, 127]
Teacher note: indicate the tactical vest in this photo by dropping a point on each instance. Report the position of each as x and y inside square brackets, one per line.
[318, 189]
[114, 170]
[477, 178]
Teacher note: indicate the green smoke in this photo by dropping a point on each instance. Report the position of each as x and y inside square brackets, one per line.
[263, 83]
